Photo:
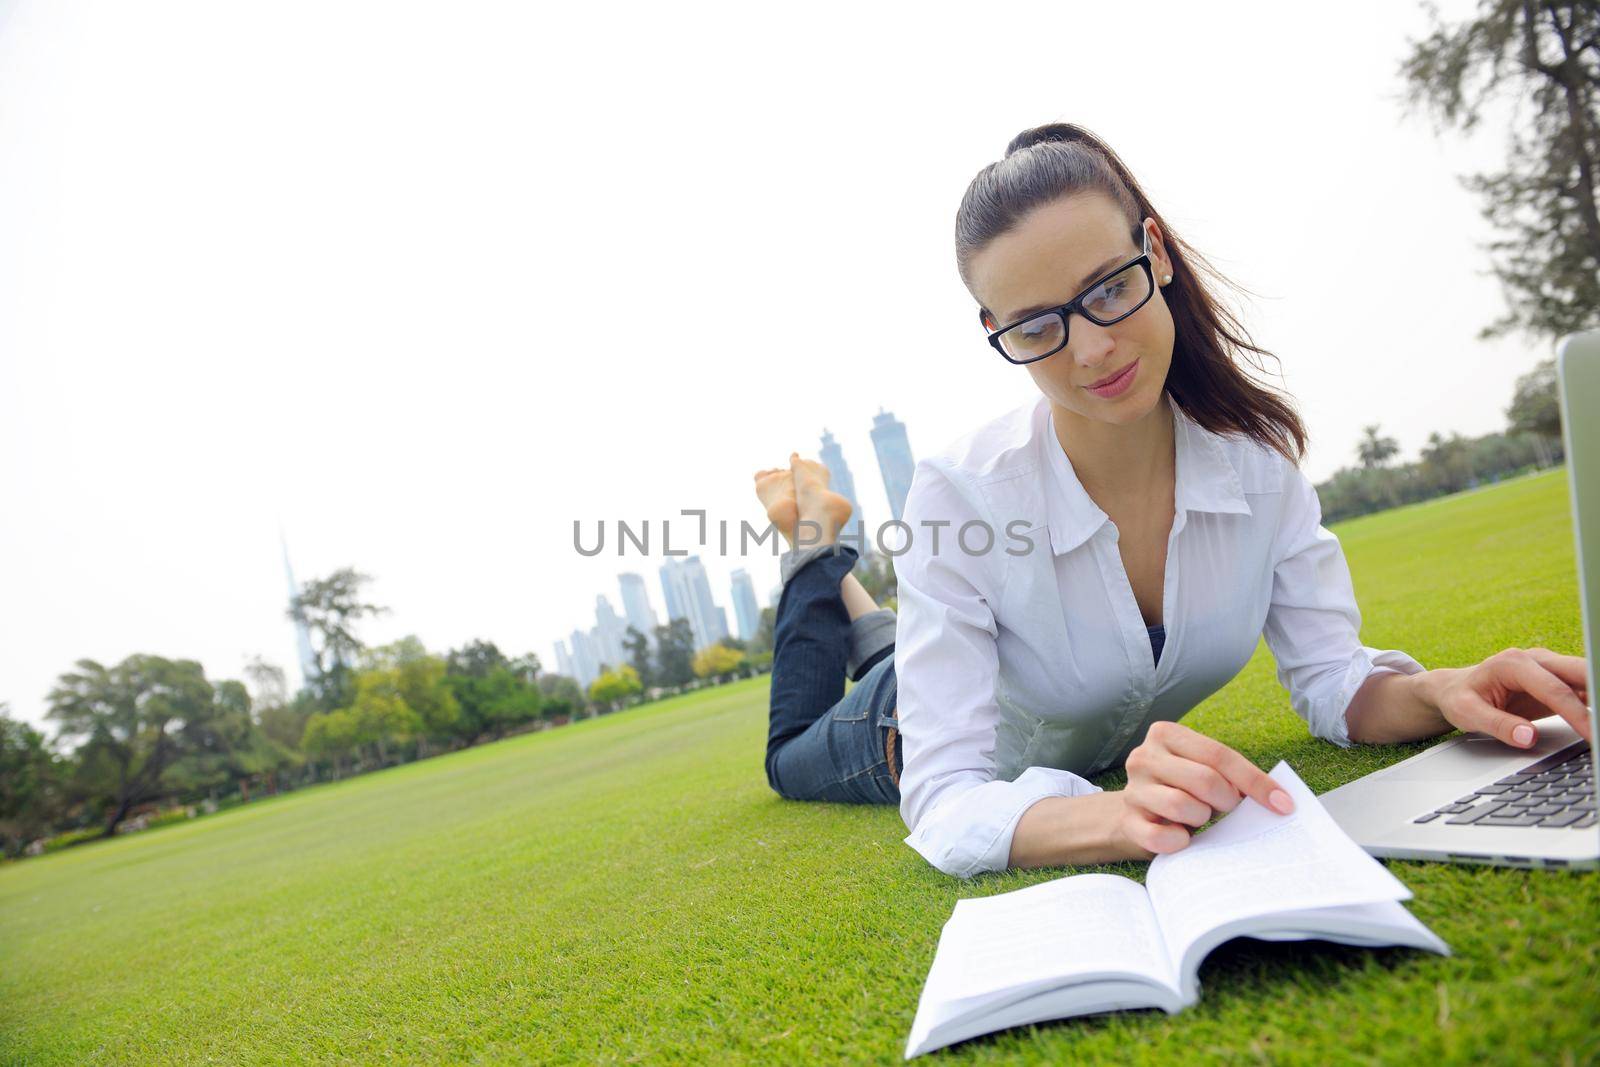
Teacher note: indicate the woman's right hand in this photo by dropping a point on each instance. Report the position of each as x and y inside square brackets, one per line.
[1178, 778]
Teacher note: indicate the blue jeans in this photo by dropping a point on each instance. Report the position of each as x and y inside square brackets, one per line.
[824, 743]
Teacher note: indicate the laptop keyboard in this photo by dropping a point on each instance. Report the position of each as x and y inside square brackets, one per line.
[1557, 791]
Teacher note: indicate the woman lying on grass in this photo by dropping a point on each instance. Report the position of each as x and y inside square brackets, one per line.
[1085, 569]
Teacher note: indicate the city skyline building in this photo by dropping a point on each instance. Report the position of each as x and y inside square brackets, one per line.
[713, 621]
[745, 609]
[895, 461]
[686, 587]
[302, 632]
[585, 663]
[636, 607]
[688, 594]
[842, 482]
[672, 593]
[609, 631]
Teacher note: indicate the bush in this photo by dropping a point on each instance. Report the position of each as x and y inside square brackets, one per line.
[171, 815]
[70, 838]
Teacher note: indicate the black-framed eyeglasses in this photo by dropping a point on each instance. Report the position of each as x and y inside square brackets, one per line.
[1109, 299]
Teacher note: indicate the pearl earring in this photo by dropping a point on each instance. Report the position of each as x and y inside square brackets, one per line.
[1166, 278]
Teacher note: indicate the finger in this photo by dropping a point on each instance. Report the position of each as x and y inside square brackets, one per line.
[1469, 711]
[1204, 783]
[1156, 836]
[1530, 676]
[1240, 773]
[1570, 669]
[1157, 799]
[1573, 671]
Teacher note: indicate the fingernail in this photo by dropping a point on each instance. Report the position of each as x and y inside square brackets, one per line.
[1523, 735]
[1280, 800]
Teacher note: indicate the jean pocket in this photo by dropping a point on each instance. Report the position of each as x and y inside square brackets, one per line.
[852, 707]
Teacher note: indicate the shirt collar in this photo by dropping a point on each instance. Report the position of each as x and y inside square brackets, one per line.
[1205, 481]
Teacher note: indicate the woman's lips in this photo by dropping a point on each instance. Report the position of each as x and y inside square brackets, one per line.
[1117, 384]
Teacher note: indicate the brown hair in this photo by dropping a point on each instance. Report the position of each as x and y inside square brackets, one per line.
[1206, 379]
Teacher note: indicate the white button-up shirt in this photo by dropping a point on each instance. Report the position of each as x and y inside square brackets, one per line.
[1021, 669]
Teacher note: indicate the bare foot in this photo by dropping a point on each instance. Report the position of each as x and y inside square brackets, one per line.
[816, 502]
[775, 490]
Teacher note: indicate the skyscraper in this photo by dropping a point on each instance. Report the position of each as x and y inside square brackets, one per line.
[609, 631]
[585, 661]
[894, 459]
[302, 633]
[840, 481]
[564, 660]
[636, 606]
[744, 604]
[688, 594]
[672, 590]
[713, 622]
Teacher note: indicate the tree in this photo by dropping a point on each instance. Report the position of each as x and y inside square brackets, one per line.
[1535, 407]
[223, 745]
[330, 608]
[31, 795]
[418, 680]
[380, 714]
[674, 653]
[615, 686]
[280, 720]
[475, 659]
[762, 641]
[637, 647]
[1374, 451]
[516, 702]
[717, 661]
[1546, 56]
[561, 695]
[1447, 463]
[330, 735]
[877, 577]
[129, 723]
[495, 694]
[526, 667]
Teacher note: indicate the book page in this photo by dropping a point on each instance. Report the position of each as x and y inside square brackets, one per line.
[1254, 862]
[1384, 923]
[1085, 923]
[1079, 927]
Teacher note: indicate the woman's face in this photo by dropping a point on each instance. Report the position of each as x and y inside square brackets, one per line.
[1046, 260]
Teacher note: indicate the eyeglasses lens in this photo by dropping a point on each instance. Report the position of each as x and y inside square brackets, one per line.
[1036, 337]
[1113, 298]
[1118, 295]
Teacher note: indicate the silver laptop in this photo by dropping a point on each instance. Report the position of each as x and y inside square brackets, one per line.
[1473, 799]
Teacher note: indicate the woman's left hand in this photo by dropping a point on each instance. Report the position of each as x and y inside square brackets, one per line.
[1500, 695]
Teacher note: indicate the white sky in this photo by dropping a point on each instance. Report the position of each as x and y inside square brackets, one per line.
[424, 283]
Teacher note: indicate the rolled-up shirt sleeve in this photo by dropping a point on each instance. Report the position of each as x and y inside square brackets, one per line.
[961, 817]
[1313, 624]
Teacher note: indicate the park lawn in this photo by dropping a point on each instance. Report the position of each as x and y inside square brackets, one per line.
[627, 889]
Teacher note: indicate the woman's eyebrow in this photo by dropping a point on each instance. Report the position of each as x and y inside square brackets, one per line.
[1104, 266]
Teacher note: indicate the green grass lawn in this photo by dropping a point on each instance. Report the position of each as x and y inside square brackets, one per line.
[627, 889]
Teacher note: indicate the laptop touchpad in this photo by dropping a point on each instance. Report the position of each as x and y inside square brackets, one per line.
[1471, 757]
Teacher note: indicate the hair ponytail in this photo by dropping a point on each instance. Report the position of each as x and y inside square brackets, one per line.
[1206, 380]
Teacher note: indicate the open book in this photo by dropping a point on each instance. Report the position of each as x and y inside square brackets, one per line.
[1098, 942]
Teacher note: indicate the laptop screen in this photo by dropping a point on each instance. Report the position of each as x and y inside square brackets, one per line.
[1578, 374]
